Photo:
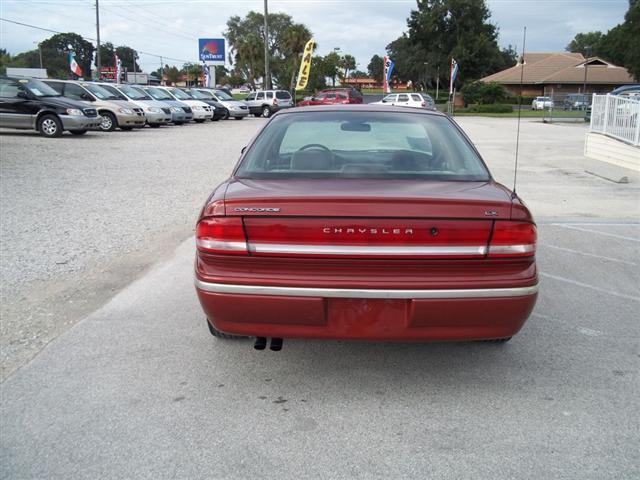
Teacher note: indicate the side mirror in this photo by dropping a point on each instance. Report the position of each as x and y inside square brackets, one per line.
[243, 149]
[86, 97]
[22, 94]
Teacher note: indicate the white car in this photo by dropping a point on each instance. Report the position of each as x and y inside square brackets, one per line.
[541, 103]
[201, 111]
[416, 100]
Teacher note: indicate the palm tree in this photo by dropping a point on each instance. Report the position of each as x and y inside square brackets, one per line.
[294, 38]
[249, 53]
[348, 62]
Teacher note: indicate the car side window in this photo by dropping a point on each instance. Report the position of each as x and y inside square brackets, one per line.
[73, 91]
[330, 96]
[321, 96]
[389, 98]
[8, 88]
[403, 97]
[416, 97]
[269, 94]
[342, 96]
[57, 86]
[260, 96]
[251, 97]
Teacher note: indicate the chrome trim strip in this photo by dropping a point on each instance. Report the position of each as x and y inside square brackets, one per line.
[218, 245]
[364, 292]
[511, 249]
[480, 250]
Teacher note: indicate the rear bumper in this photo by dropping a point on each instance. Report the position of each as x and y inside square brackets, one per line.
[367, 314]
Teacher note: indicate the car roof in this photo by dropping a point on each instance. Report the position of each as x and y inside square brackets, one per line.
[367, 107]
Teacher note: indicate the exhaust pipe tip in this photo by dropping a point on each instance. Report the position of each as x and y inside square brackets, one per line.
[260, 343]
[276, 344]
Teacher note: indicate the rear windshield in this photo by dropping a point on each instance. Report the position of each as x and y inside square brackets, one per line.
[282, 95]
[344, 144]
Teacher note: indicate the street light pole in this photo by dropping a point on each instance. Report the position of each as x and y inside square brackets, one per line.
[266, 82]
[426, 74]
[438, 84]
[39, 52]
[586, 66]
[98, 57]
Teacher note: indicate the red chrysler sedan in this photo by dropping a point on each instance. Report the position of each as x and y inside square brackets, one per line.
[367, 223]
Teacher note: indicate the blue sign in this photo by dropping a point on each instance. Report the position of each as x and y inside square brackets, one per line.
[211, 50]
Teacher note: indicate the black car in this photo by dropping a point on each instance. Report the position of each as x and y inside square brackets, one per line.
[30, 104]
[219, 110]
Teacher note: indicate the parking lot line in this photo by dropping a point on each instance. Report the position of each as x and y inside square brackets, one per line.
[606, 234]
[570, 250]
[591, 287]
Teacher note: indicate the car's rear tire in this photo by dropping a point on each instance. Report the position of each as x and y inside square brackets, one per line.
[154, 125]
[109, 122]
[266, 112]
[126, 129]
[257, 115]
[200, 120]
[178, 123]
[50, 126]
[77, 132]
[218, 334]
[239, 118]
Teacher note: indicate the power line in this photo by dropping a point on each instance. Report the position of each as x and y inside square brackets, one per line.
[93, 40]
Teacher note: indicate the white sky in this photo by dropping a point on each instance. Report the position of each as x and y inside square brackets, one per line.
[359, 27]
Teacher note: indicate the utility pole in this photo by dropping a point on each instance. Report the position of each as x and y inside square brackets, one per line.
[40, 52]
[438, 83]
[267, 83]
[98, 58]
[161, 70]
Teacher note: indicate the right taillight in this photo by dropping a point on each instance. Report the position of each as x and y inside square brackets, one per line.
[223, 235]
[513, 239]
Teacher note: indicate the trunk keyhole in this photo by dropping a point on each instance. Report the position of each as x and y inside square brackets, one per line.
[434, 231]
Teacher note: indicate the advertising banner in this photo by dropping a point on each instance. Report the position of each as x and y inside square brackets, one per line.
[211, 50]
[388, 69]
[305, 65]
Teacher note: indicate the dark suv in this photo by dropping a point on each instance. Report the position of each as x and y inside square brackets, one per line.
[30, 104]
[332, 96]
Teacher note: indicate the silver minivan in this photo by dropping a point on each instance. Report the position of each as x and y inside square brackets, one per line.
[236, 108]
[266, 102]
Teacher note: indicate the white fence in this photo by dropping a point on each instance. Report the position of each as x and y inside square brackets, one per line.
[617, 117]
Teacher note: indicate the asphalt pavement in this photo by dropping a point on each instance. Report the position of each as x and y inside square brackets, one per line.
[139, 389]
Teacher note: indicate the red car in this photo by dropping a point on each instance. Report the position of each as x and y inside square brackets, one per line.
[333, 96]
[364, 222]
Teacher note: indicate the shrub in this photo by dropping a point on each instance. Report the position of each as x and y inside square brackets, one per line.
[484, 93]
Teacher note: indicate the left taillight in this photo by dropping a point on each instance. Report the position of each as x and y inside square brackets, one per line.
[222, 235]
[513, 239]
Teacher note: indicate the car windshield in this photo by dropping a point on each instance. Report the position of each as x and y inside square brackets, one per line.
[180, 95]
[197, 94]
[39, 88]
[100, 92]
[134, 93]
[207, 94]
[222, 95]
[113, 91]
[342, 144]
[159, 94]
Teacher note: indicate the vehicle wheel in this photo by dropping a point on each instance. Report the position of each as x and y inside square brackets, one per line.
[178, 123]
[109, 122]
[199, 121]
[497, 340]
[226, 115]
[126, 129]
[257, 115]
[78, 132]
[218, 334]
[154, 125]
[266, 112]
[239, 118]
[50, 126]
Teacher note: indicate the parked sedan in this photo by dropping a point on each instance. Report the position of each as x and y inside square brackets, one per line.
[180, 111]
[541, 103]
[114, 112]
[201, 110]
[364, 223]
[218, 109]
[333, 96]
[30, 104]
[235, 108]
[416, 100]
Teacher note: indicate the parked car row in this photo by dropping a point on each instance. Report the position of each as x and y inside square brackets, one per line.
[54, 106]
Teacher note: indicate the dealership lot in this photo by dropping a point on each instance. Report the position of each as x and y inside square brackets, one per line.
[138, 388]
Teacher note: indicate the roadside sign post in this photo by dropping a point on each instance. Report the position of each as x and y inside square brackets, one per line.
[212, 52]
